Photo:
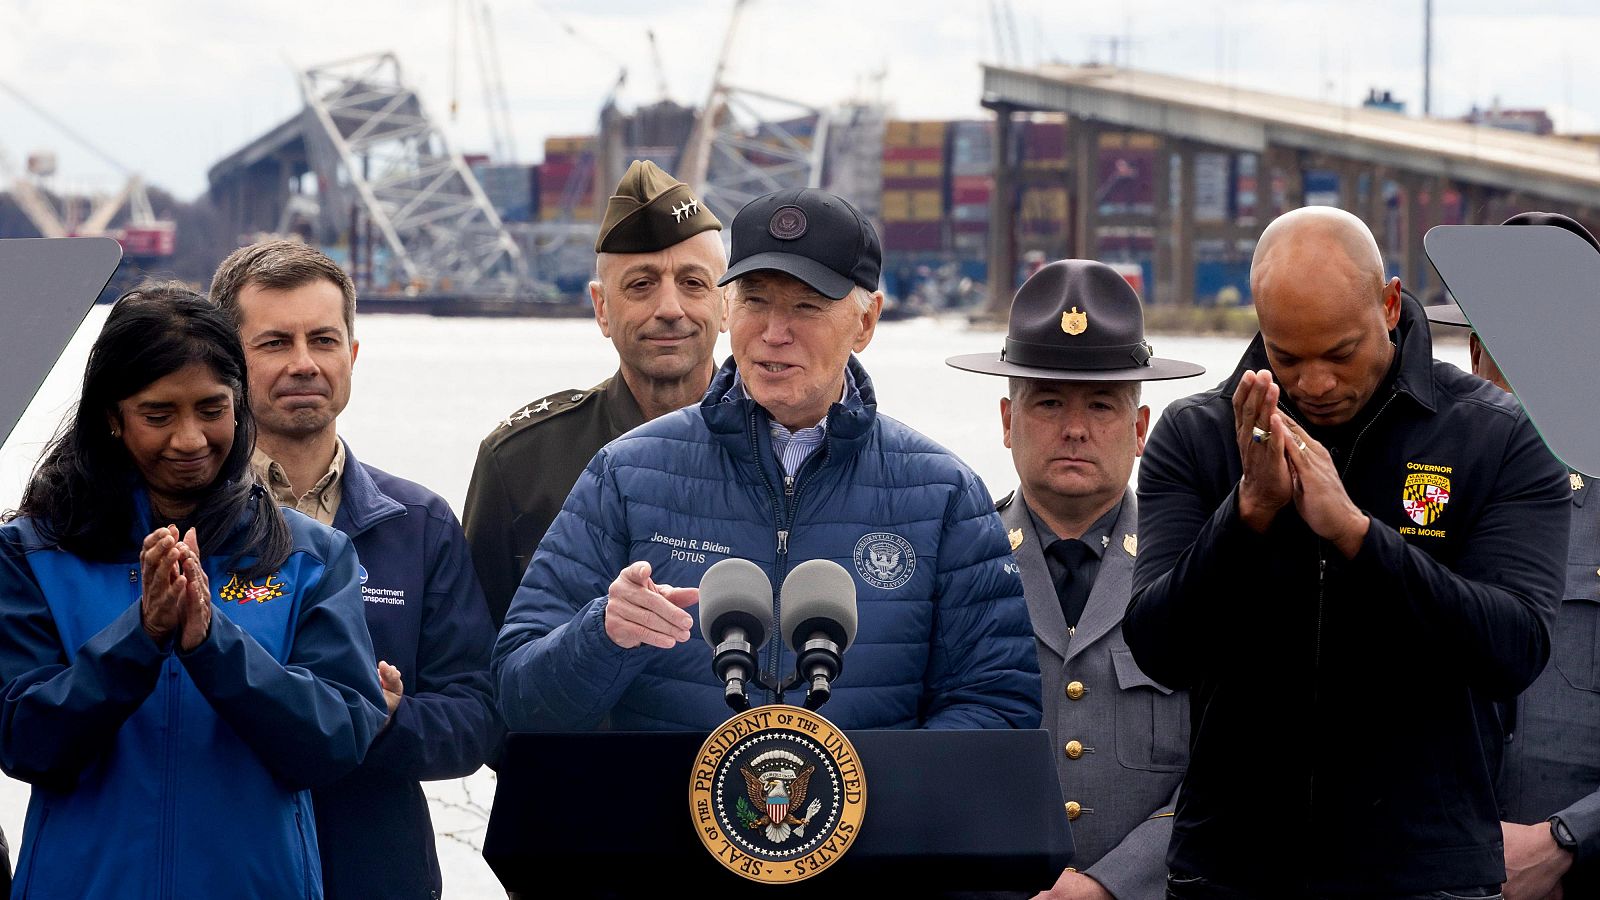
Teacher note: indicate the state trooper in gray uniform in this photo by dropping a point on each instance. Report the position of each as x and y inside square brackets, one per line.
[1549, 781]
[1075, 356]
[658, 258]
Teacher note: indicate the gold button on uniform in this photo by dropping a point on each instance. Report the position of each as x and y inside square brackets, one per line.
[1075, 690]
[1074, 809]
[1074, 749]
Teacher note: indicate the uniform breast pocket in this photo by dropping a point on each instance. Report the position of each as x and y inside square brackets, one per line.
[1573, 641]
[1152, 720]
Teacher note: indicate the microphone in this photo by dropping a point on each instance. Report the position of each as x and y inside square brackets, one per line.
[819, 599]
[735, 619]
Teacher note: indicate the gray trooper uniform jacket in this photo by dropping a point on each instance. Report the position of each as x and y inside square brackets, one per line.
[1552, 759]
[1122, 740]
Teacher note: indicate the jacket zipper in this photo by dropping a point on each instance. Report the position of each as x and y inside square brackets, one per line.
[781, 564]
[785, 509]
[1322, 590]
[169, 799]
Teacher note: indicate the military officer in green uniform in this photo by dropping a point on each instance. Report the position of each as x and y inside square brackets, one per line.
[657, 262]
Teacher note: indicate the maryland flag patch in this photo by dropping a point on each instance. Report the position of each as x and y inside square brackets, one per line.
[1425, 496]
[239, 591]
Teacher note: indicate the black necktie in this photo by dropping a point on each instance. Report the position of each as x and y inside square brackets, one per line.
[1072, 589]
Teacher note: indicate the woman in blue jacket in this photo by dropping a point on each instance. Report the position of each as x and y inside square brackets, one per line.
[179, 661]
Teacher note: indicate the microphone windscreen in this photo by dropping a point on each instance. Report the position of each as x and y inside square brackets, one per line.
[819, 595]
[736, 592]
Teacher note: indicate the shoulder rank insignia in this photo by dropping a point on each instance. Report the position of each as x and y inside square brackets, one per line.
[542, 408]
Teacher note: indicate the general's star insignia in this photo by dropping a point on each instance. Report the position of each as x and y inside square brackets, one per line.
[543, 405]
[685, 209]
[524, 413]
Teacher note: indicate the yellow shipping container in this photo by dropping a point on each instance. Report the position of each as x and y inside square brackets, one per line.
[912, 206]
[1049, 204]
[576, 144]
[913, 168]
[914, 134]
[1136, 140]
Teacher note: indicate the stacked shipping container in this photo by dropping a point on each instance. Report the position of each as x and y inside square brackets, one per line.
[567, 174]
[914, 186]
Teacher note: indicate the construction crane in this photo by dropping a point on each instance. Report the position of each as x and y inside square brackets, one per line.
[737, 151]
[144, 235]
[486, 52]
[661, 71]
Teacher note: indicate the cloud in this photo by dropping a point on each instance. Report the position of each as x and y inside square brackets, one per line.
[168, 87]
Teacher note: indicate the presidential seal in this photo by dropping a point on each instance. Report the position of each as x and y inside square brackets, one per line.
[884, 560]
[777, 794]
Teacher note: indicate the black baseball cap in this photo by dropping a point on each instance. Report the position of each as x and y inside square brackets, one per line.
[810, 234]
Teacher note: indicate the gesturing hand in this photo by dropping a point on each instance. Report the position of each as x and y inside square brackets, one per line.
[160, 608]
[1319, 495]
[1265, 486]
[639, 611]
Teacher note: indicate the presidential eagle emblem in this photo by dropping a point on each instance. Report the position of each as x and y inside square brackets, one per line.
[885, 560]
[777, 794]
[776, 783]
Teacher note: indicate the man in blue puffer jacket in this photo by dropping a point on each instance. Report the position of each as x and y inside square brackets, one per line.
[785, 460]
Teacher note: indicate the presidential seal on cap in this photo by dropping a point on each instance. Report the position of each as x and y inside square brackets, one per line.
[651, 211]
[811, 235]
[1076, 320]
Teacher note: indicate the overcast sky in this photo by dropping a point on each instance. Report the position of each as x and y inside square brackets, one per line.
[168, 87]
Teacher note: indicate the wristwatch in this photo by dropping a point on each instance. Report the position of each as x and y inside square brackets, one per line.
[1563, 835]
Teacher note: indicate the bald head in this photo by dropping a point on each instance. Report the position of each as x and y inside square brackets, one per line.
[1321, 240]
[1325, 310]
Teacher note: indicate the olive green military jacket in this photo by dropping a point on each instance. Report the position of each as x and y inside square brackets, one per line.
[525, 469]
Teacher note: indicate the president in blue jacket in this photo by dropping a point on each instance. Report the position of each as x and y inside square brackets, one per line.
[295, 310]
[786, 459]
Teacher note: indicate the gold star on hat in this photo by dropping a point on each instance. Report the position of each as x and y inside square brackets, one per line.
[651, 211]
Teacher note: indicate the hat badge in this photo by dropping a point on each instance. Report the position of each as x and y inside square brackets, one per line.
[685, 209]
[1074, 322]
[787, 224]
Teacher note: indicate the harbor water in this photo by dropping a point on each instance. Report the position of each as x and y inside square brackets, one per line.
[427, 390]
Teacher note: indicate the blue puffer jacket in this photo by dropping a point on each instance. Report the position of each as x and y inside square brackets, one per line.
[943, 640]
[159, 774]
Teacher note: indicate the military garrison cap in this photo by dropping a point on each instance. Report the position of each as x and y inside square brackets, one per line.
[651, 211]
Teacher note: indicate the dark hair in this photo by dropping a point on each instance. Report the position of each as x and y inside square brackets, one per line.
[280, 265]
[81, 495]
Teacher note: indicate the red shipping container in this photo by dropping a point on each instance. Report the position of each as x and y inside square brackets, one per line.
[906, 154]
[1045, 141]
[913, 236]
[971, 189]
[904, 183]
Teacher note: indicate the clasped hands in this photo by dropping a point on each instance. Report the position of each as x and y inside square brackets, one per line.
[1283, 464]
[175, 601]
